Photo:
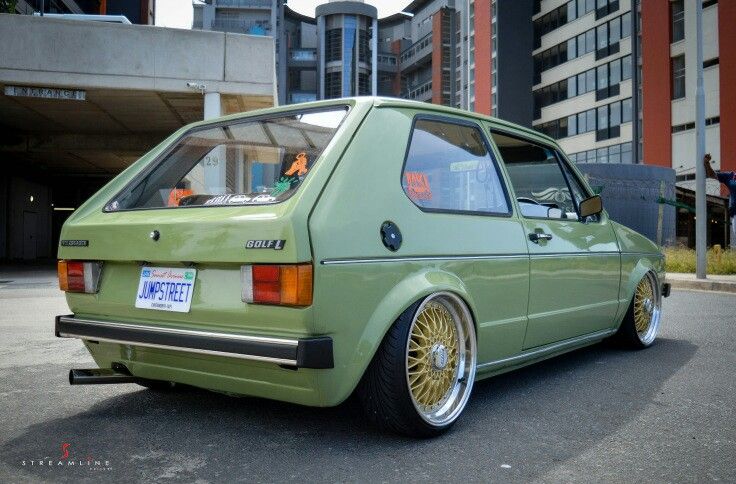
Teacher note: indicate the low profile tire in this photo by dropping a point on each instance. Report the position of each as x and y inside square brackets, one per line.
[641, 323]
[420, 379]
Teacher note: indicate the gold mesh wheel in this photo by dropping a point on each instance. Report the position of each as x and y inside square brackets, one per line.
[646, 309]
[440, 358]
[432, 358]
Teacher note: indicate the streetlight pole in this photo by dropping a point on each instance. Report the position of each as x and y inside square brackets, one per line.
[701, 212]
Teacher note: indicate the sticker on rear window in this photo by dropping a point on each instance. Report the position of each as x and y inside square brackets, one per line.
[417, 185]
[299, 167]
[239, 199]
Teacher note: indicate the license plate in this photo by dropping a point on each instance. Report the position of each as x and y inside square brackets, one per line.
[166, 289]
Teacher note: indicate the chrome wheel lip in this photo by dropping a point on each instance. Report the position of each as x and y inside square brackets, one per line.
[648, 337]
[452, 406]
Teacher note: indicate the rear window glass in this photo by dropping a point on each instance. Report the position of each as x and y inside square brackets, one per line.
[255, 162]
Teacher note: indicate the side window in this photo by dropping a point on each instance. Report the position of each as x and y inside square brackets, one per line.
[541, 188]
[578, 192]
[449, 168]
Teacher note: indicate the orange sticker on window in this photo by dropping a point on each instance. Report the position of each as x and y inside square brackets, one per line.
[417, 185]
[299, 166]
[176, 195]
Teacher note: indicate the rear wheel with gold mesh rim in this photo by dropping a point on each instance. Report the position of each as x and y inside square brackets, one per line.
[421, 377]
[641, 323]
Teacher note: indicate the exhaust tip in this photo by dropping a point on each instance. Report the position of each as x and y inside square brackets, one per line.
[97, 376]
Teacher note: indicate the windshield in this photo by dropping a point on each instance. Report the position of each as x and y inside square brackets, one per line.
[244, 163]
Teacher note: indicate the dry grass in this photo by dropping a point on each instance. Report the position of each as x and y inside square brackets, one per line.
[681, 259]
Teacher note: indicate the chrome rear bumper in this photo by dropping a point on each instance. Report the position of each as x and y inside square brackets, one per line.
[313, 352]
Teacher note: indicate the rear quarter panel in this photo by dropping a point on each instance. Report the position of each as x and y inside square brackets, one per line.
[358, 302]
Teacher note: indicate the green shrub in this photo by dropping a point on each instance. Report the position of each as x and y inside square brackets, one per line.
[681, 259]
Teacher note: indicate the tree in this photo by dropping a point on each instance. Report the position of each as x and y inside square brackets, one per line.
[8, 6]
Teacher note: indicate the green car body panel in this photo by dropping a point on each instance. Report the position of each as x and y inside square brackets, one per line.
[512, 288]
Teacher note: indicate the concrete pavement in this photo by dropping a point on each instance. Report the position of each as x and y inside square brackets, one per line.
[722, 283]
[602, 414]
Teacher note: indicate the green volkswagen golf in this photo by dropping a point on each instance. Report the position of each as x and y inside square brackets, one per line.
[394, 249]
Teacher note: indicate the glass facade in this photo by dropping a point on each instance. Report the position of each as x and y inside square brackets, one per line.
[350, 26]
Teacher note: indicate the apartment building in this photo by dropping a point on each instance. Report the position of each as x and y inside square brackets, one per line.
[136, 11]
[612, 80]
[583, 78]
[669, 85]
[424, 53]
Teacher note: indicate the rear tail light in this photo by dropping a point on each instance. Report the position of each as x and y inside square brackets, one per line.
[287, 285]
[79, 276]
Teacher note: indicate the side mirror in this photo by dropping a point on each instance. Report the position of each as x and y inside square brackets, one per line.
[591, 206]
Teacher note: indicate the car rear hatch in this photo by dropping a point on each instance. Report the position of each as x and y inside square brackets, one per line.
[164, 217]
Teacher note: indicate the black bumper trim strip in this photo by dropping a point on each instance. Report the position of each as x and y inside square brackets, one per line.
[301, 353]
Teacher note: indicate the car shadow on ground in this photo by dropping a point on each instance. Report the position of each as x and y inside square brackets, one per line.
[549, 413]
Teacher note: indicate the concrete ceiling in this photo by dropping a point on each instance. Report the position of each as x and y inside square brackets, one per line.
[102, 134]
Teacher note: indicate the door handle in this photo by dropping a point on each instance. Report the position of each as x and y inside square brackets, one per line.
[537, 236]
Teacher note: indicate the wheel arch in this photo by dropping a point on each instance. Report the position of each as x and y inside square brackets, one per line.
[639, 267]
[410, 291]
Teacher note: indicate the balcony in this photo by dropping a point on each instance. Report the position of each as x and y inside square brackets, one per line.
[420, 91]
[302, 97]
[388, 62]
[417, 55]
[241, 26]
[302, 58]
[243, 3]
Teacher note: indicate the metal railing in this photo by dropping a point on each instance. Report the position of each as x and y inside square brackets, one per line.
[421, 90]
[244, 3]
[421, 44]
[303, 55]
[241, 26]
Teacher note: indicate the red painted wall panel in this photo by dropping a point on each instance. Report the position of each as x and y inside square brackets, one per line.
[656, 82]
[727, 68]
[483, 50]
[396, 84]
[437, 58]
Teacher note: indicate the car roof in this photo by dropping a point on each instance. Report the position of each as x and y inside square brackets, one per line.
[437, 108]
[387, 102]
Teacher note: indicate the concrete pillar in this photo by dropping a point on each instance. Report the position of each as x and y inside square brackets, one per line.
[214, 162]
[374, 58]
[212, 105]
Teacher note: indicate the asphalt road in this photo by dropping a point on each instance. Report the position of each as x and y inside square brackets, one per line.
[666, 414]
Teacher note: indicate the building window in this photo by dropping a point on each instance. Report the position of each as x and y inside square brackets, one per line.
[603, 40]
[620, 153]
[711, 63]
[604, 120]
[363, 84]
[333, 85]
[677, 11]
[333, 44]
[604, 80]
[678, 77]
[364, 50]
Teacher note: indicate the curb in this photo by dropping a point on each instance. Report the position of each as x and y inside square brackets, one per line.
[703, 285]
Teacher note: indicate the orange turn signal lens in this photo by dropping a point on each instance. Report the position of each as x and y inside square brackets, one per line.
[288, 285]
[61, 268]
